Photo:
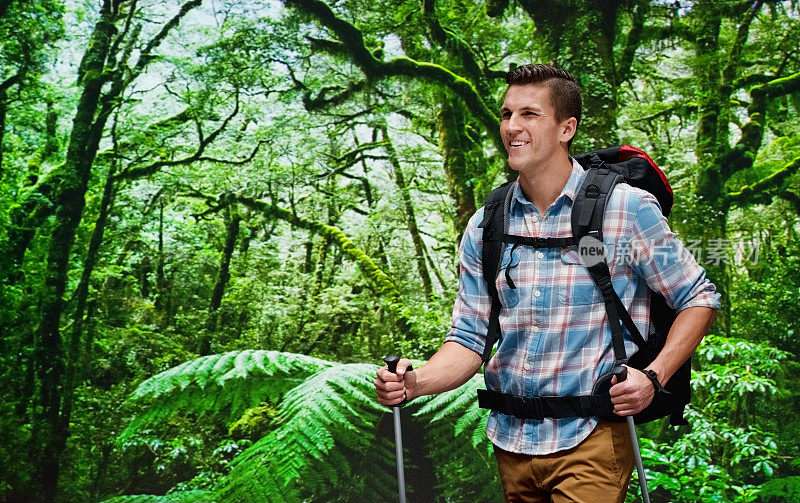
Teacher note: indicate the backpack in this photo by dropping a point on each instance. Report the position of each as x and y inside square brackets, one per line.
[604, 170]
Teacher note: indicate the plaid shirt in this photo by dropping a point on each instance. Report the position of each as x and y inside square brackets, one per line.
[555, 337]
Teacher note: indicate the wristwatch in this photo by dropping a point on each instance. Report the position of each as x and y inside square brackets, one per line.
[653, 376]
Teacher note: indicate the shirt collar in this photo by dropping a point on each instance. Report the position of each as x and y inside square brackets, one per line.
[569, 191]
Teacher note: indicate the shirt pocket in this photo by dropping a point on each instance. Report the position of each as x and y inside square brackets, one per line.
[581, 289]
[509, 297]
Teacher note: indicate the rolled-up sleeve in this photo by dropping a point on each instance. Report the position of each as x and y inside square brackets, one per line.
[661, 259]
[471, 311]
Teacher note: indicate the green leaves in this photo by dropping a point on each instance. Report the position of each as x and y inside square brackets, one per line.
[225, 384]
[329, 438]
[331, 414]
[782, 489]
[181, 497]
[730, 442]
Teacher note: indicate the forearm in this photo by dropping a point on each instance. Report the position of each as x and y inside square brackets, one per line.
[687, 331]
[449, 368]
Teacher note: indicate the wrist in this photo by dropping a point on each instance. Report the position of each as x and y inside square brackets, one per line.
[656, 381]
[411, 385]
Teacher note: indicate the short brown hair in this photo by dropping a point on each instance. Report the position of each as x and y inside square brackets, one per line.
[565, 93]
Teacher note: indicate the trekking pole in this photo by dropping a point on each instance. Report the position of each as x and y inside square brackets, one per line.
[622, 374]
[391, 362]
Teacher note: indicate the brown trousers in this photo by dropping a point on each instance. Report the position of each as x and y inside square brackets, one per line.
[597, 470]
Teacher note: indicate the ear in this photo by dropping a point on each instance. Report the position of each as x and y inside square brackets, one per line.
[568, 128]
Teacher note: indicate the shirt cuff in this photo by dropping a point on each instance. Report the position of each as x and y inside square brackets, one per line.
[467, 339]
[705, 299]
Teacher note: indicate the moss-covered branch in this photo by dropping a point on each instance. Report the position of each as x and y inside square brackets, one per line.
[454, 44]
[632, 41]
[374, 68]
[386, 288]
[763, 190]
[780, 87]
[321, 100]
[743, 154]
[143, 171]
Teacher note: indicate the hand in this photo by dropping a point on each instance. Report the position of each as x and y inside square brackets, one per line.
[633, 394]
[393, 389]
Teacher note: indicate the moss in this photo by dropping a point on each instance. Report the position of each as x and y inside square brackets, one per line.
[255, 423]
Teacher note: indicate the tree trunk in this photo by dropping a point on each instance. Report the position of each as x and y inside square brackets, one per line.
[3, 109]
[709, 151]
[70, 203]
[75, 360]
[35, 208]
[454, 145]
[161, 287]
[411, 219]
[222, 280]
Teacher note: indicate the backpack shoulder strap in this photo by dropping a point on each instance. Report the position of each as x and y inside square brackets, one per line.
[591, 199]
[495, 225]
[588, 211]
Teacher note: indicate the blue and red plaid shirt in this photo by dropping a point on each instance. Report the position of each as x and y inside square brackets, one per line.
[555, 337]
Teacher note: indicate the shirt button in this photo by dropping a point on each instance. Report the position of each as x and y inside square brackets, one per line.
[526, 366]
[540, 255]
[534, 219]
[537, 293]
[535, 329]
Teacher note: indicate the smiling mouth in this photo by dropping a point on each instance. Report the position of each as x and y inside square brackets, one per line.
[517, 143]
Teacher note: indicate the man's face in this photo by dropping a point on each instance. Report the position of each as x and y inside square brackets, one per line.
[529, 129]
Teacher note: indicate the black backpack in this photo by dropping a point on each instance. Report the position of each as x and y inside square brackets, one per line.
[604, 170]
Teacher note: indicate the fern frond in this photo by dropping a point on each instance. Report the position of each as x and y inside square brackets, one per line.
[327, 430]
[462, 456]
[228, 384]
[183, 497]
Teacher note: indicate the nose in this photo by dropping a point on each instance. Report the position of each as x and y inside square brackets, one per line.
[512, 124]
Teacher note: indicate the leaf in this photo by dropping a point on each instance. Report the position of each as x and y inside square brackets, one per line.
[328, 425]
[226, 384]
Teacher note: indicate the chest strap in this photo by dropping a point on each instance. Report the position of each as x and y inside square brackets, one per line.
[538, 242]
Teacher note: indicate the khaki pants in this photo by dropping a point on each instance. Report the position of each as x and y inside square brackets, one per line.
[597, 470]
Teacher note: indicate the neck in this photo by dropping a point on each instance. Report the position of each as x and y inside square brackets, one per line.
[543, 184]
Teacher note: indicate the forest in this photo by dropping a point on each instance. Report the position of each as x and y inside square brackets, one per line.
[218, 216]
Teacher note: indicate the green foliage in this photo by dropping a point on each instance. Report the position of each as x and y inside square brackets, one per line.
[182, 497]
[461, 454]
[324, 265]
[227, 384]
[783, 489]
[326, 423]
[329, 439]
[730, 444]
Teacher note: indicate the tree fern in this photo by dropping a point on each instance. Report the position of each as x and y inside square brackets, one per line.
[227, 384]
[327, 445]
[461, 453]
[183, 497]
[328, 426]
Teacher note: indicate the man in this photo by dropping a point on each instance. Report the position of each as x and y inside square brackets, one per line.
[556, 339]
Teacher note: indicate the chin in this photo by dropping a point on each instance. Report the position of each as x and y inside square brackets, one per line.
[517, 165]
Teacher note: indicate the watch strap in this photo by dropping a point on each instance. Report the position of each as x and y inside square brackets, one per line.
[653, 376]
